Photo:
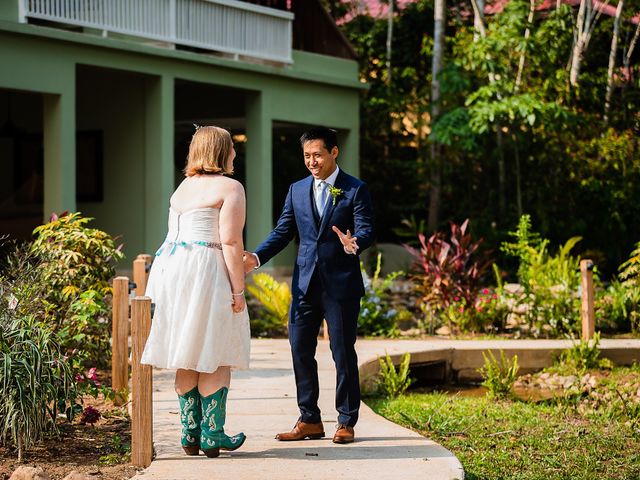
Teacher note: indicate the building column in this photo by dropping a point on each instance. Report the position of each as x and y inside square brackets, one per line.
[158, 162]
[259, 169]
[59, 115]
[349, 147]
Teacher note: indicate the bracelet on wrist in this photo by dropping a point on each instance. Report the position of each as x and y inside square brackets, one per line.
[238, 294]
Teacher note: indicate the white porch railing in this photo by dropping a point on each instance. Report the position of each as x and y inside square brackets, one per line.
[228, 26]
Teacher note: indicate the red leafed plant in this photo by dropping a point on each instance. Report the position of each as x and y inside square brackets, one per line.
[90, 415]
[450, 269]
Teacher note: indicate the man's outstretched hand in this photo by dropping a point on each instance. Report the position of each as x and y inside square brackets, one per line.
[250, 261]
[349, 243]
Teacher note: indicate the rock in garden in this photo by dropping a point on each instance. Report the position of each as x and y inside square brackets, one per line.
[74, 475]
[444, 330]
[29, 473]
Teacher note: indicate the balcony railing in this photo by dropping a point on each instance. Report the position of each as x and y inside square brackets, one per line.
[228, 26]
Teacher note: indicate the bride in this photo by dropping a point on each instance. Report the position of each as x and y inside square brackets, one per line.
[200, 326]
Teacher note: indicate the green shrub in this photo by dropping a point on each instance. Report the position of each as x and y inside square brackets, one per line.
[77, 264]
[394, 382]
[583, 356]
[275, 301]
[549, 282]
[617, 307]
[377, 316]
[499, 375]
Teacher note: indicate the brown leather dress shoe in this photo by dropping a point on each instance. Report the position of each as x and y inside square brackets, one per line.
[344, 434]
[301, 431]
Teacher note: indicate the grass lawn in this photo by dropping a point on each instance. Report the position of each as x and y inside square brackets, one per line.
[576, 438]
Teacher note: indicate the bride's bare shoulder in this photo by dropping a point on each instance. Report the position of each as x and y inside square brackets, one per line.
[232, 185]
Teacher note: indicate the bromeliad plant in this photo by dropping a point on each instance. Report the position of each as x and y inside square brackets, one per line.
[451, 271]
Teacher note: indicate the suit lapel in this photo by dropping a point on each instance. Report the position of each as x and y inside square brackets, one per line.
[329, 207]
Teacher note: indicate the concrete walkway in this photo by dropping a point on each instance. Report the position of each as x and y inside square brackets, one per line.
[262, 402]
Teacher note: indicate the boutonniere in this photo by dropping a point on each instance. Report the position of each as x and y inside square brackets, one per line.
[335, 193]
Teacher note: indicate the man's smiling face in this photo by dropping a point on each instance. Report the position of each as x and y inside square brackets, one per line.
[320, 162]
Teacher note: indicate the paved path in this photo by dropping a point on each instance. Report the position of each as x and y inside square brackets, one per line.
[262, 403]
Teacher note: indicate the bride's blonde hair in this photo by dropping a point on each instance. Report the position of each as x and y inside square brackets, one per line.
[209, 152]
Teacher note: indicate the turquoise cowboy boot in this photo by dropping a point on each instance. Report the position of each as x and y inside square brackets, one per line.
[190, 417]
[213, 437]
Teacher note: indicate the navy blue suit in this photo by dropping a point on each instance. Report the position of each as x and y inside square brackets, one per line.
[327, 283]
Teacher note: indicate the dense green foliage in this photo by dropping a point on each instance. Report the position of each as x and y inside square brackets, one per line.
[36, 378]
[516, 140]
[78, 263]
[54, 322]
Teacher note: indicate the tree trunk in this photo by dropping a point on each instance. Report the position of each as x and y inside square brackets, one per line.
[632, 46]
[527, 34]
[612, 60]
[502, 176]
[578, 45]
[478, 21]
[585, 24]
[516, 151]
[436, 150]
[389, 40]
[478, 17]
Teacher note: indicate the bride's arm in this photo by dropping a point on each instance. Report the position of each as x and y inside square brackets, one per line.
[232, 218]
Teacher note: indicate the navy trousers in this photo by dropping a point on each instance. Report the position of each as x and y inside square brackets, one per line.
[307, 313]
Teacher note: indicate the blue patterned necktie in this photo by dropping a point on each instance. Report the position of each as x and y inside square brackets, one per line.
[321, 197]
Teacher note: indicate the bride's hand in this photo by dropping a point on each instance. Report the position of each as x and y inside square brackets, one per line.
[238, 303]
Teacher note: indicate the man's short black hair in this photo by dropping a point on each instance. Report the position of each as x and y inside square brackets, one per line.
[328, 135]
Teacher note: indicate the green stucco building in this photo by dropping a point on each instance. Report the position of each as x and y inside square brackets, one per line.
[98, 99]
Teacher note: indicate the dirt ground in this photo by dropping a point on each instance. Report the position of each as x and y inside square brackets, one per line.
[101, 450]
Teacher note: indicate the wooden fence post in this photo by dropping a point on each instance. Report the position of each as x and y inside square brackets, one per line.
[141, 266]
[587, 311]
[141, 385]
[120, 340]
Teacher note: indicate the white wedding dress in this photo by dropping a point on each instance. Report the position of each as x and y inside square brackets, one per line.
[193, 326]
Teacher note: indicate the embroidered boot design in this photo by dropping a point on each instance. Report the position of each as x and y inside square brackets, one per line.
[190, 417]
[213, 437]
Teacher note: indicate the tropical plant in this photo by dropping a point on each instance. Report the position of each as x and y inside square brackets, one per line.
[77, 264]
[499, 375]
[617, 307]
[630, 270]
[275, 300]
[549, 282]
[583, 355]
[394, 382]
[377, 316]
[36, 381]
[451, 270]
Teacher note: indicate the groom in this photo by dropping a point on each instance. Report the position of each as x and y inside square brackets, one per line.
[323, 210]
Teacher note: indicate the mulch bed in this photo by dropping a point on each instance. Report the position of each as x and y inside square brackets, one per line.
[101, 450]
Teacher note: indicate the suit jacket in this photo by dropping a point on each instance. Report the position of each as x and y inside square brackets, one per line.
[320, 246]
